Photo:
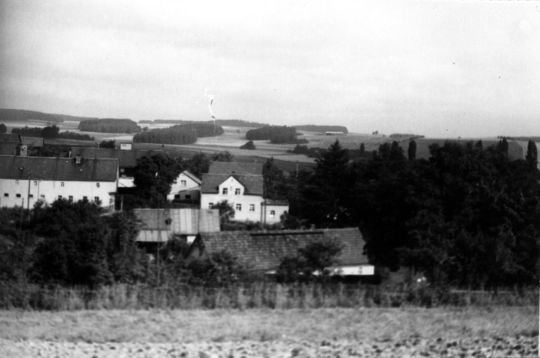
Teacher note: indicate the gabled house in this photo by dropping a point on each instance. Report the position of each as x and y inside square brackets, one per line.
[242, 186]
[263, 252]
[27, 180]
[186, 187]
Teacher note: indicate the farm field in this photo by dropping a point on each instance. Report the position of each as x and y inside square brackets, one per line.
[384, 332]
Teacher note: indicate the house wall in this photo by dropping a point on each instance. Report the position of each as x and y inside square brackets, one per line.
[178, 186]
[272, 213]
[50, 190]
[247, 202]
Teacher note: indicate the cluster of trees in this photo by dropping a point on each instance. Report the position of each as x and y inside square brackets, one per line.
[466, 216]
[248, 145]
[179, 134]
[49, 132]
[276, 134]
[3, 128]
[109, 125]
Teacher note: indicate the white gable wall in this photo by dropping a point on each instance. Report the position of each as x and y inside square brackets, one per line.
[182, 183]
[246, 207]
[50, 190]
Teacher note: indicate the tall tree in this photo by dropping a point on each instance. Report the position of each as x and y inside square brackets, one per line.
[532, 154]
[411, 151]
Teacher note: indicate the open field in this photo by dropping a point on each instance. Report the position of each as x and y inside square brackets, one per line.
[385, 332]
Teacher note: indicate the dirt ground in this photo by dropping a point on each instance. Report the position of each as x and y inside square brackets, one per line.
[370, 332]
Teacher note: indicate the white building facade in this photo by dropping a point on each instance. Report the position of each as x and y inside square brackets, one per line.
[242, 186]
[26, 180]
[186, 187]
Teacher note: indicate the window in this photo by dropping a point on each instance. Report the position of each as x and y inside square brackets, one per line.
[183, 182]
[35, 182]
[225, 191]
[59, 197]
[31, 196]
[237, 191]
[238, 207]
[61, 183]
[97, 184]
[18, 195]
[251, 207]
[96, 199]
[42, 196]
[6, 195]
[85, 198]
[272, 213]
[177, 196]
[188, 197]
[210, 205]
[71, 198]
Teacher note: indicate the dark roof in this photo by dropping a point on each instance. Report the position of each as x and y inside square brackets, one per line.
[48, 168]
[235, 168]
[266, 250]
[253, 184]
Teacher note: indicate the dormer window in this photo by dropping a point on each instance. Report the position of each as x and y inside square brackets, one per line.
[224, 191]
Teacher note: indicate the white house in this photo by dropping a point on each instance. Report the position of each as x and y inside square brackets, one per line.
[187, 187]
[27, 180]
[242, 186]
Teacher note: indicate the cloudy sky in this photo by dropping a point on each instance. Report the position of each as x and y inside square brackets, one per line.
[430, 67]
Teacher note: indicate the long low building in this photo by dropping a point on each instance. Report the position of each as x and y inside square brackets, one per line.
[26, 180]
[263, 251]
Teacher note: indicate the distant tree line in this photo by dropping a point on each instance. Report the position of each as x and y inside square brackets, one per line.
[179, 134]
[49, 132]
[321, 128]
[109, 125]
[276, 134]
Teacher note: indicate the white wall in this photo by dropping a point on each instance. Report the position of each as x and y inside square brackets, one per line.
[49, 190]
[277, 210]
[178, 185]
[246, 201]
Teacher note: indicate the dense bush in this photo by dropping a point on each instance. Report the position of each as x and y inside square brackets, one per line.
[50, 132]
[3, 128]
[276, 134]
[109, 125]
[248, 145]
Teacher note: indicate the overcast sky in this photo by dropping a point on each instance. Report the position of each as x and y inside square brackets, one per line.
[428, 67]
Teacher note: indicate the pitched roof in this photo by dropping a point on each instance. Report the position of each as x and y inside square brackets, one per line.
[48, 168]
[253, 184]
[235, 168]
[266, 250]
[191, 176]
[158, 224]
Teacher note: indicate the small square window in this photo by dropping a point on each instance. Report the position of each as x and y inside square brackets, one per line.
[6, 195]
[272, 213]
[251, 207]
[225, 191]
[85, 198]
[59, 197]
[188, 197]
[210, 205]
[18, 195]
[177, 196]
[35, 182]
[96, 199]
[237, 191]
[71, 198]
[97, 184]
[238, 207]
[31, 196]
[183, 182]
[61, 183]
